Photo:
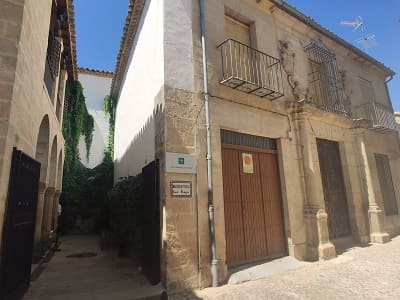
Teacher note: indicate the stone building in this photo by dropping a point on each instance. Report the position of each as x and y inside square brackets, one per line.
[304, 145]
[37, 55]
[96, 85]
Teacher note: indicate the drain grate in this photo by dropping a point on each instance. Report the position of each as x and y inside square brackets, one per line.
[82, 255]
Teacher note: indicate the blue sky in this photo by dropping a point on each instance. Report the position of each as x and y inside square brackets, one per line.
[380, 18]
[99, 26]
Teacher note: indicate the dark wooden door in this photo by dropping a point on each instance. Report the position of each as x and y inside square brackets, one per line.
[19, 226]
[386, 184]
[334, 188]
[254, 227]
[151, 222]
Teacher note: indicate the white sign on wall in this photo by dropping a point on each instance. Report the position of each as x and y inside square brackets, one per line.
[180, 163]
[181, 189]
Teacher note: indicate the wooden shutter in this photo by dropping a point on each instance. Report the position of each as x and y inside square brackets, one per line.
[237, 30]
[386, 183]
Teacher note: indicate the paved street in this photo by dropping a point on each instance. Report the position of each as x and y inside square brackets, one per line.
[360, 273]
[371, 272]
[104, 276]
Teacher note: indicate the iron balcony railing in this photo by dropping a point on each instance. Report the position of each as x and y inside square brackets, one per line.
[382, 118]
[250, 71]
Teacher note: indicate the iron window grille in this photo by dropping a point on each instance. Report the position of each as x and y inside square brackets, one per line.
[326, 82]
[251, 71]
[52, 64]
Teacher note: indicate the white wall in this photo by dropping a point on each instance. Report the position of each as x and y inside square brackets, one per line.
[178, 39]
[95, 89]
[143, 82]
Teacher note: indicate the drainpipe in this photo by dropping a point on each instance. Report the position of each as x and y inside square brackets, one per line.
[214, 261]
[387, 91]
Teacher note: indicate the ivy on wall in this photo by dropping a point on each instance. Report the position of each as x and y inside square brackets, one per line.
[76, 122]
[110, 107]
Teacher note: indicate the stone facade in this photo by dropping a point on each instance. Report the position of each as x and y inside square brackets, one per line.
[31, 115]
[294, 120]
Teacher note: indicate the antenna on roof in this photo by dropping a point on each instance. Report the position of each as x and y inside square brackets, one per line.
[367, 41]
[356, 24]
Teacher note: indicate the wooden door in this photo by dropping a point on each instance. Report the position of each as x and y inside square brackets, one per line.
[254, 225]
[19, 226]
[272, 199]
[234, 228]
[151, 235]
[252, 205]
[334, 188]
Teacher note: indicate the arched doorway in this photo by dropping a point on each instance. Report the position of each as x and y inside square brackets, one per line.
[42, 156]
[50, 192]
[42, 147]
[58, 189]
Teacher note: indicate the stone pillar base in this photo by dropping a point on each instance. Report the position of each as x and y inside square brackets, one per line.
[378, 234]
[380, 238]
[326, 251]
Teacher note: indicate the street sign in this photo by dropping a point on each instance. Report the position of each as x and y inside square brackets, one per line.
[181, 189]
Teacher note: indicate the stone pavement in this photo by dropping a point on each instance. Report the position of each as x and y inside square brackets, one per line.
[104, 276]
[371, 272]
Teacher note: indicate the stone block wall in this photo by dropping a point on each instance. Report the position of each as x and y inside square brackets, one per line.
[24, 28]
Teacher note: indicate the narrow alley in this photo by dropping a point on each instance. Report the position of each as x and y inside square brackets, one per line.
[81, 270]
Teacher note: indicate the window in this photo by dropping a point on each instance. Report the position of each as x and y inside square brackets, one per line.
[326, 83]
[367, 90]
[386, 183]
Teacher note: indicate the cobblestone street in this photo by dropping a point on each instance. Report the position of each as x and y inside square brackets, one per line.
[359, 273]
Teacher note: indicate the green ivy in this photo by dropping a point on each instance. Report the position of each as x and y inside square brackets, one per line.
[110, 107]
[76, 122]
[125, 209]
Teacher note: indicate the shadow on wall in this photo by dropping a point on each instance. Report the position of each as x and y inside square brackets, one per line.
[141, 150]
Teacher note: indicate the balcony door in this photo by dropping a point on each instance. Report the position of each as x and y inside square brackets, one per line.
[237, 30]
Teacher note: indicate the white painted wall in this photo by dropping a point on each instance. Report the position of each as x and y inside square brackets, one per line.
[143, 82]
[95, 89]
[178, 44]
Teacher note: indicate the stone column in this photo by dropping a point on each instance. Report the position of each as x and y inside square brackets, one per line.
[319, 245]
[56, 200]
[48, 211]
[375, 213]
[39, 219]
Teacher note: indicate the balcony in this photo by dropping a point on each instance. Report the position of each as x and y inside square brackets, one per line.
[381, 118]
[250, 71]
